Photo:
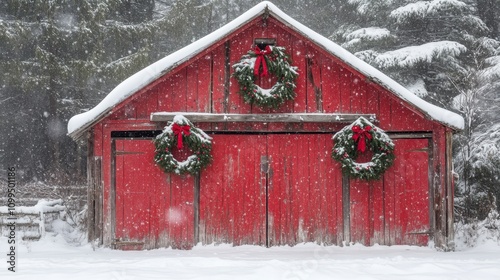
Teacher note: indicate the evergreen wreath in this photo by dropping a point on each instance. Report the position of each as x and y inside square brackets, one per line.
[357, 138]
[178, 132]
[272, 60]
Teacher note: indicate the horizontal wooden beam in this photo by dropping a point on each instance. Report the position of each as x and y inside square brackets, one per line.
[280, 117]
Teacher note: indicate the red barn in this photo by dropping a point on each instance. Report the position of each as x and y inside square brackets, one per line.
[272, 180]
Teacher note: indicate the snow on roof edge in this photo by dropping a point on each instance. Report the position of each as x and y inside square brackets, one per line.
[147, 75]
[150, 73]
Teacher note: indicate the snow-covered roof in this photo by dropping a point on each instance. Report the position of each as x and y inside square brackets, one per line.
[131, 85]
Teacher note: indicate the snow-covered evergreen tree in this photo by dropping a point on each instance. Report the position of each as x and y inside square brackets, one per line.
[57, 58]
[422, 44]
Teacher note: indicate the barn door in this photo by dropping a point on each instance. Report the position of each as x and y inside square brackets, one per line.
[304, 190]
[271, 190]
[407, 194]
[152, 209]
[395, 209]
[233, 191]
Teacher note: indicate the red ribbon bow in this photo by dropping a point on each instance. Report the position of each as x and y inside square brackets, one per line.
[361, 135]
[261, 61]
[180, 130]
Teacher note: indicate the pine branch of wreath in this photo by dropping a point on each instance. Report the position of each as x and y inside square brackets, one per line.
[279, 64]
[348, 144]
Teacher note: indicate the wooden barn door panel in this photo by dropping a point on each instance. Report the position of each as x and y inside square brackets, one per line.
[133, 197]
[290, 177]
[152, 209]
[232, 191]
[395, 209]
[304, 191]
[407, 194]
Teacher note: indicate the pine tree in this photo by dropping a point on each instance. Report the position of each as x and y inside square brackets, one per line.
[422, 44]
[57, 58]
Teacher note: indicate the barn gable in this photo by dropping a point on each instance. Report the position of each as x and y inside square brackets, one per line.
[272, 181]
[241, 31]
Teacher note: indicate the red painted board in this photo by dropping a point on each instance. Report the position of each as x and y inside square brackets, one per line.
[330, 75]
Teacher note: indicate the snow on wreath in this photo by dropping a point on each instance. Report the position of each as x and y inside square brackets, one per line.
[262, 62]
[176, 134]
[357, 138]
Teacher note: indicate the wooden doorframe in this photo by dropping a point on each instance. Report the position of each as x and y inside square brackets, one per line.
[112, 193]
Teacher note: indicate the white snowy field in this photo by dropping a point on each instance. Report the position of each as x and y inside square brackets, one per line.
[52, 258]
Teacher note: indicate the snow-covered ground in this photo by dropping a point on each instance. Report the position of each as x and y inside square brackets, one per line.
[52, 258]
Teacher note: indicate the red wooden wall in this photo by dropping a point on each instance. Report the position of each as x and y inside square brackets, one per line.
[270, 183]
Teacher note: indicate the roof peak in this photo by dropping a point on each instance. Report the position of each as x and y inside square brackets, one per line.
[80, 123]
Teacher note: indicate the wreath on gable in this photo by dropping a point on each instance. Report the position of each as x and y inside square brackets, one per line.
[272, 60]
[179, 132]
[357, 138]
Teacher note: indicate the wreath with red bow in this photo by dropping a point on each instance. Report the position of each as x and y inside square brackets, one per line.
[178, 133]
[357, 138]
[257, 62]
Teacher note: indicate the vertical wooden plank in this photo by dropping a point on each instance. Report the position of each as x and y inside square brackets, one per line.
[165, 99]
[97, 140]
[358, 95]
[450, 233]
[314, 92]
[180, 215]
[91, 188]
[372, 99]
[438, 144]
[299, 59]
[98, 232]
[179, 91]
[162, 202]
[377, 227]
[330, 76]
[278, 185]
[119, 227]
[360, 212]
[107, 171]
[204, 84]
[385, 111]
[345, 90]
[192, 87]
[346, 208]
[218, 68]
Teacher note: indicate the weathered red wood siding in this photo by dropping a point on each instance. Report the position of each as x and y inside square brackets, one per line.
[301, 196]
[325, 84]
